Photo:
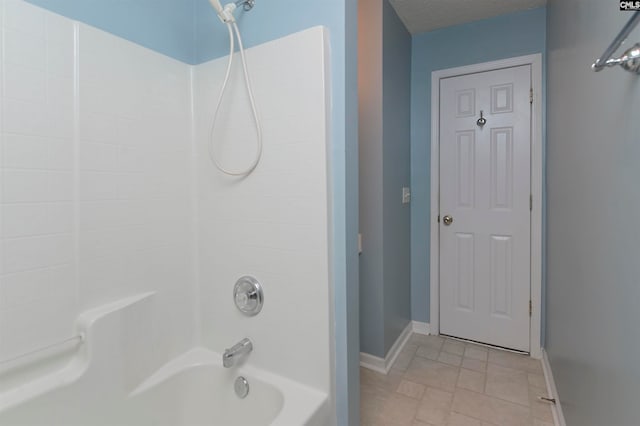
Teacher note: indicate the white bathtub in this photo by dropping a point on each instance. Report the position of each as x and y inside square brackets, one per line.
[93, 389]
[196, 390]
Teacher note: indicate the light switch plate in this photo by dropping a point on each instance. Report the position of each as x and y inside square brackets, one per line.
[406, 195]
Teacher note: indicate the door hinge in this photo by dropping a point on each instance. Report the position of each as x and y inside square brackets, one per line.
[531, 202]
[438, 218]
[531, 95]
[530, 308]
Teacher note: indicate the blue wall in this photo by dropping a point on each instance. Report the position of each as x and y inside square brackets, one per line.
[189, 31]
[516, 34]
[371, 195]
[593, 210]
[396, 152]
[346, 275]
[165, 26]
[385, 95]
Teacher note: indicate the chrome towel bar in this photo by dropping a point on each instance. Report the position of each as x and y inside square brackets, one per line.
[630, 60]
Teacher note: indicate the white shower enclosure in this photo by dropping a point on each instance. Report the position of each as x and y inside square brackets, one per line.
[121, 243]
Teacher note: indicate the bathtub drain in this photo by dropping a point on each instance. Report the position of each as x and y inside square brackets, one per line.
[241, 387]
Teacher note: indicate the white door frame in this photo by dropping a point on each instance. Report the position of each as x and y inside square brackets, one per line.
[536, 187]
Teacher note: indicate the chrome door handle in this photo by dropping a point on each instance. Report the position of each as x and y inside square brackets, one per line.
[448, 220]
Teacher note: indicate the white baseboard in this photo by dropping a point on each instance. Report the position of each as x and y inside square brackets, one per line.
[421, 327]
[556, 409]
[381, 365]
[372, 362]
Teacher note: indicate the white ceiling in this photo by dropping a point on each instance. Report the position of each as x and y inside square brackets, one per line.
[427, 15]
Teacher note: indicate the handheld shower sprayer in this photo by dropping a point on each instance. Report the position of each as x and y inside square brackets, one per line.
[226, 16]
[224, 13]
[216, 5]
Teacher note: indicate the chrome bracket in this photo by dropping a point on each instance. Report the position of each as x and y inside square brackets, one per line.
[247, 5]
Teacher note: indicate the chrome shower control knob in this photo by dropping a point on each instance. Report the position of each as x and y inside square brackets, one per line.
[248, 296]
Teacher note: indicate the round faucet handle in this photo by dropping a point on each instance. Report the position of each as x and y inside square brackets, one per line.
[248, 296]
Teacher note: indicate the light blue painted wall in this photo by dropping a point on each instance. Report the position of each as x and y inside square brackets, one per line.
[396, 149]
[516, 34]
[269, 20]
[188, 30]
[347, 288]
[385, 94]
[371, 178]
[593, 273]
[165, 26]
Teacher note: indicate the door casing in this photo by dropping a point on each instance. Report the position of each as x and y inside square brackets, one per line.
[536, 188]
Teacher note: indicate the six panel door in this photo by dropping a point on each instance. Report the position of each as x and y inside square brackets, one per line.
[485, 187]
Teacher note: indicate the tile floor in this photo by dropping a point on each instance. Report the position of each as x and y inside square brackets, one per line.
[444, 382]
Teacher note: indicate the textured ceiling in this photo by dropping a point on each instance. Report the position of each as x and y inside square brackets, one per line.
[427, 15]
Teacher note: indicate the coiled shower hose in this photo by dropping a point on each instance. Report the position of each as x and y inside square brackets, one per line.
[233, 29]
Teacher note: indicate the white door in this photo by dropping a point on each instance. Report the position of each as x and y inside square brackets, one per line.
[485, 187]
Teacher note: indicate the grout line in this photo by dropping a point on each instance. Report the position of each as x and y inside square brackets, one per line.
[76, 159]
[195, 212]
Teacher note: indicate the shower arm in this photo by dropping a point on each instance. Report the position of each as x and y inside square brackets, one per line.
[247, 5]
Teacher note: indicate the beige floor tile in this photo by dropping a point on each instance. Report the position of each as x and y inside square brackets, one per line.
[537, 422]
[402, 362]
[372, 394]
[540, 410]
[424, 340]
[426, 387]
[370, 405]
[429, 352]
[457, 419]
[411, 389]
[449, 358]
[489, 409]
[373, 381]
[476, 352]
[516, 361]
[471, 380]
[398, 410]
[508, 384]
[439, 396]
[410, 348]
[368, 418]
[453, 347]
[432, 373]
[434, 407]
[474, 364]
[537, 380]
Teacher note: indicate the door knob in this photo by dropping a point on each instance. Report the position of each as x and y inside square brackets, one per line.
[448, 220]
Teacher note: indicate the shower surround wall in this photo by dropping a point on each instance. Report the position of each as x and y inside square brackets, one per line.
[95, 187]
[274, 223]
[105, 181]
